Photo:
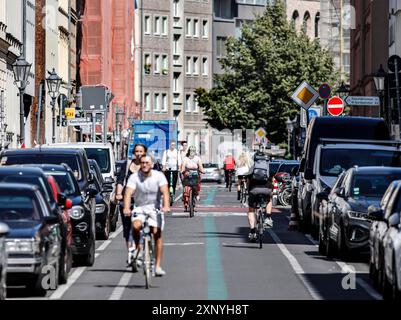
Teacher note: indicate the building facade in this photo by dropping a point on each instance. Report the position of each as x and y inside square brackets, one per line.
[369, 49]
[176, 60]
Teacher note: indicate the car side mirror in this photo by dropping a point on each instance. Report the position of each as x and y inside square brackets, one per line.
[109, 180]
[394, 220]
[324, 195]
[340, 192]
[375, 213]
[51, 220]
[91, 192]
[4, 230]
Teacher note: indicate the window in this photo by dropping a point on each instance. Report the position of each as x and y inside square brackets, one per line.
[157, 63]
[164, 102]
[175, 7]
[317, 20]
[294, 20]
[306, 21]
[196, 106]
[156, 104]
[147, 63]
[223, 9]
[188, 103]
[164, 26]
[196, 66]
[157, 26]
[221, 47]
[147, 101]
[205, 66]
[147, 25]
[175, 83]
[205, 29]
[188, 65]
[175, 44]
[188, 28]
[164, 64]
[196, 28]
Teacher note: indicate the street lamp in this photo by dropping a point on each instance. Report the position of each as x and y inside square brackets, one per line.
[53, 86]
[378, 78]
[290, 127]
[343, 90]
[294, 139]
[21, 69]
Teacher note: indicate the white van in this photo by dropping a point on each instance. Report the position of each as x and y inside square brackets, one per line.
[101, 152]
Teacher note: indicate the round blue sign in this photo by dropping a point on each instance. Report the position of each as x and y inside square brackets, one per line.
[312, 113]
[324, 91]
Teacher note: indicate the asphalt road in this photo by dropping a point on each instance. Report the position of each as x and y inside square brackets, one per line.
[209, 257]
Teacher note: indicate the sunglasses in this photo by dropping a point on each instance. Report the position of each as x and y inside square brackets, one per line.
[145, 163]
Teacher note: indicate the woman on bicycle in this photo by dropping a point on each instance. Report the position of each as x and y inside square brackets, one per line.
[191, 163]
[140, 150]
[242, 171]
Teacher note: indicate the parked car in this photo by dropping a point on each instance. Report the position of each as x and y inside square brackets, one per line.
[273, 167]
[4, 230]
[380, 225]
[330, 128]
[104, 218]
[83, 237]
[348, 223]
[213, 173]
[56, 201]
[287, 167]
[34, 240]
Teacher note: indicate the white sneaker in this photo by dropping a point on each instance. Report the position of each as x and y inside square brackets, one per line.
[130, 256]
[268, 222]
[160, 272]
[197, 198]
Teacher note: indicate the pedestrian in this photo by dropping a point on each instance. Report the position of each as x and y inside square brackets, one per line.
[171, 163]
[242, 171]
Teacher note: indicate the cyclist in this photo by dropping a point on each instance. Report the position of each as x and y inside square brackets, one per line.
[242, 171]
[229, 166]
[260, 182]
[171, 162]
[192, 162]
[134, 166]
[148, 187]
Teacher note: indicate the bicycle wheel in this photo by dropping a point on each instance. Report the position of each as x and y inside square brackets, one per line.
[285, 197]
[147, 263]
[230, 182]
[191, 203]
[260, 228]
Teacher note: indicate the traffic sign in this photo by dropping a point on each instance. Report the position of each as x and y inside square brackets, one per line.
[335, 106]
[391, 63]
[70, 113]
[362, 101]
[79, 122]
[314, 112]
[324, 91]
[305, 95]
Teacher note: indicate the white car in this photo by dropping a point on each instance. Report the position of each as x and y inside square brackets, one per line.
[3, 260]
[101, 152]
[392, 257]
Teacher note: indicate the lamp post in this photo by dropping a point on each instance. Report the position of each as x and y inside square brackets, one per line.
[290, 127]
[294, 139]
[343, 90]
[53, 86]
[378, 78]
[21, 69]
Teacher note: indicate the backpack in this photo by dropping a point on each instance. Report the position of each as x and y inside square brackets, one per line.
[260, 173]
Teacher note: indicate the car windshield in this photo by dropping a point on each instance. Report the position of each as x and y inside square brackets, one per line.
[101, 156]
[372, 185]
[335, 161]
[18, 206]
[27, 179]
[210, 165]
[65, 182]
[69, 159]
[287, 167]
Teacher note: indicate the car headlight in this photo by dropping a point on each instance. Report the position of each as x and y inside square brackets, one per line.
[23, 246]
[100, 208]
[77, 213]
[357, 215]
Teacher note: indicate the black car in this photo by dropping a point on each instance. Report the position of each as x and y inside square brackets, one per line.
[104, 220]
[81, 213]
[35, 176]
[347, 224]
[34, 240]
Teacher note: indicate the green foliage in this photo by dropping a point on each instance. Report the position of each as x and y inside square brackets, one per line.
[261, 71]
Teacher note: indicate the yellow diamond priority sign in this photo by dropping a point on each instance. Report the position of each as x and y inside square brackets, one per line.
[305, 95]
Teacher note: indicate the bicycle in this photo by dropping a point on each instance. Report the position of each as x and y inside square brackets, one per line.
[261, 197]
[148, 253]
[190, 182]
[243, 190]
[171, 188]
[230, 180]
[284, 196]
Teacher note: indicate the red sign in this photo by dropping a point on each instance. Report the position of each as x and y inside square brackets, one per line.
[335, 106]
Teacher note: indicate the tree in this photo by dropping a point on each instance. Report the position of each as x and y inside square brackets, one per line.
[262, 68]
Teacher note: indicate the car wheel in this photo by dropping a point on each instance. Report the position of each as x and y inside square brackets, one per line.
[63, 268]
[322, 242]
[341, 246]
[104, 234]
[395, 293]
[3, 289]
[90, 257]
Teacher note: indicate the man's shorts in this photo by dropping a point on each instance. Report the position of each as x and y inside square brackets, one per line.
[256, 193]
[156, 219]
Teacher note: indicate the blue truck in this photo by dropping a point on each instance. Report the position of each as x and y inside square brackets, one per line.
[156, 135]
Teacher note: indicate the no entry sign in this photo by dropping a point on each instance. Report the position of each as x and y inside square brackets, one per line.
[335, 106]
